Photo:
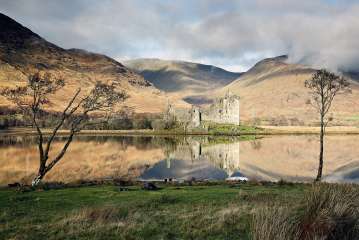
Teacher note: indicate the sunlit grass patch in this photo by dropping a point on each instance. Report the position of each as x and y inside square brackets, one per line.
[253, 210]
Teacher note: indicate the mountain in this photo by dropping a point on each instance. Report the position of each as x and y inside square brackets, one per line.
[181, 78]
[273, 92]
[23, 52]
[354, 75]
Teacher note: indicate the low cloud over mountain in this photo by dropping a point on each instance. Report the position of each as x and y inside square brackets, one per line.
[229, 34]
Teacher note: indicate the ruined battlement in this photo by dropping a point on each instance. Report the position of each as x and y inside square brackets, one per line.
[192, 116]
[224, 110]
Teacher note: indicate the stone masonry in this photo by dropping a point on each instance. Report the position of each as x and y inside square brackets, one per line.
[224, 110]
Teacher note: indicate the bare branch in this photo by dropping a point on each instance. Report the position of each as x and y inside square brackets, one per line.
[61, 154]
[32, 98]
[324, 86]
[64, 115]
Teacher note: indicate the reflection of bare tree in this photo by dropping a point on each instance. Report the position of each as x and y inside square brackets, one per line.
[256, 144]
[87, 160]
[33, 99]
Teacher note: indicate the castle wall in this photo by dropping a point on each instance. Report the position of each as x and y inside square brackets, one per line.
[225, 111]
[191, 116]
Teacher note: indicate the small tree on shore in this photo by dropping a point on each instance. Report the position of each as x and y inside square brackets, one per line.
[324, 86]
[33, 98]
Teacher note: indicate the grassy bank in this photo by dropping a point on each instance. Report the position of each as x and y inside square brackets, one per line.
[219, 130]
[218, 211]
[212, 130]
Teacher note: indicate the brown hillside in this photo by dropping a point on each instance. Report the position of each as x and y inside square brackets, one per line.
[176, 76]
[273, 92]
[23, 52]
[181, 79]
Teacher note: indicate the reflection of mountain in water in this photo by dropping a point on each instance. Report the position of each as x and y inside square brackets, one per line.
[292, 158]
[199, 159]
[348, 173]
[295, 158]
[183, 169]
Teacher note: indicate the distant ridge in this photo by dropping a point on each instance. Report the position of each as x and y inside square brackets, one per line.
[176, 76]
[272, 92]
[23, 52]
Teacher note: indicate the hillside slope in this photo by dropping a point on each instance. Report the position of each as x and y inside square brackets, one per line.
[273, 92]
[23, 52]
[181, 78]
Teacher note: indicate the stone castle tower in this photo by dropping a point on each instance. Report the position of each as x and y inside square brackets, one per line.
[191, 116]
[224, 110]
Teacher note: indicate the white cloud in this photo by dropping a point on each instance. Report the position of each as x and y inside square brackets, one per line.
[231, 34]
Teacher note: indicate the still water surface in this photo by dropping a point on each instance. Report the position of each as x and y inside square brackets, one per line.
[292, 158]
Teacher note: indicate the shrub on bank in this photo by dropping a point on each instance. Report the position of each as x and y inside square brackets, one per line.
[329, 211]
[142, 123]
[160, 124]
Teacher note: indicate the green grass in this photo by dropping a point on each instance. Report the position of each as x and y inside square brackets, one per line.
[209, 128]
[218, 211]
[229, 129]
[227, 140]
[353, 118]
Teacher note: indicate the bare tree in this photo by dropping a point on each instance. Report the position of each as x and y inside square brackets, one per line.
[33, 98]
[324, 86]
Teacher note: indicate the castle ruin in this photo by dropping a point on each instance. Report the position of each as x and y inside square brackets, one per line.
[224, 111]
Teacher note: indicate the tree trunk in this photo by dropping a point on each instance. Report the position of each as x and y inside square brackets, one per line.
[40, 174]
[320, 167]
[43, 169]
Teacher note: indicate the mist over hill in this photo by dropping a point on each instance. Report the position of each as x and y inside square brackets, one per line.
[272, 91]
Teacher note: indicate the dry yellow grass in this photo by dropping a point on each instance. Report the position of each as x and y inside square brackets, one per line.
[141, 99]
[273, 92]
[310, 130]
[23, 52]
[286, 96]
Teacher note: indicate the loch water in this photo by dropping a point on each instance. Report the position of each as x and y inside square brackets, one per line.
[272, 158]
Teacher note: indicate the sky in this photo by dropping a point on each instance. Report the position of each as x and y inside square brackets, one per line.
[232, 34]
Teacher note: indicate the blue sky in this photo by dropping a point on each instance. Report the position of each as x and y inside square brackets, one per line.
[230, 34]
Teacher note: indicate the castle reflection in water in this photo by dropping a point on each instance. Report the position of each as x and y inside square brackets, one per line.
[291, 158]
[199, 158]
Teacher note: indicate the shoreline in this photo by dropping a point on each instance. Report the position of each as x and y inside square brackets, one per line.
[54, 185]
[262, 131]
